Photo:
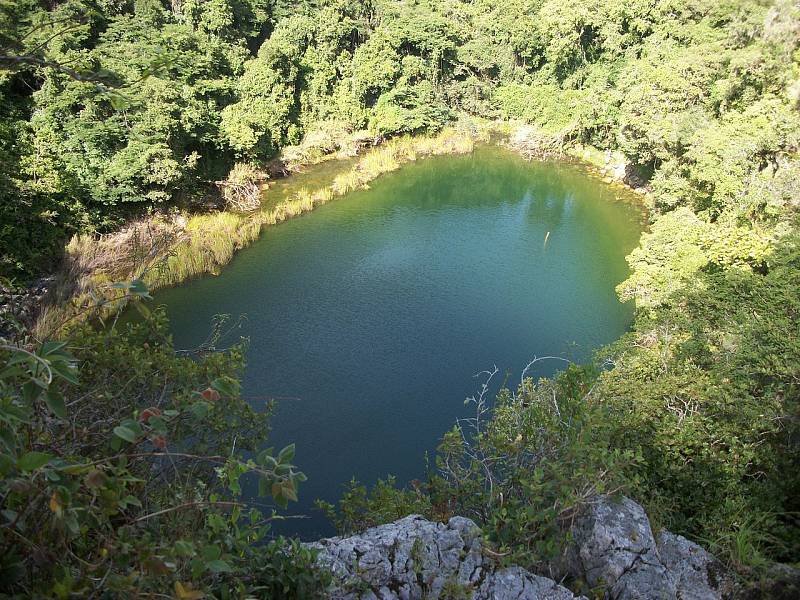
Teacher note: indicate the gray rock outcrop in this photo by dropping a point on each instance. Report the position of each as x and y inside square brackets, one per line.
[414, 558]
[614, 550]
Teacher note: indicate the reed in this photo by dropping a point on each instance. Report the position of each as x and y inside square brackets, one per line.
[323, 196]
[209, 243]
[345, 182]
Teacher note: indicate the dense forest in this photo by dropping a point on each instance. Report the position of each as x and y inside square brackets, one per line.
[117, 454]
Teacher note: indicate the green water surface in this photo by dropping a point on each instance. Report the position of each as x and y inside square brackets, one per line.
[369, 317]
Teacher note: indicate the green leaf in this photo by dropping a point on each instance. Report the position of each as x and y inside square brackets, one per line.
[289, 490]
[287, 454]
[131, 501]
[125, 433]
[20, 357]
[72, 523]
[219, 566]
[10, 372]
[184, 548]
[132, 425]
[31, 391]
[51, 347]
[14, 414]
[55, 402]
[211, 552]
[66, 371]
[6, 464]
[8, 438]
[74, 469]
[33, 460]
[139, 288]
[158, 425]
[224, 386]
[199, 410]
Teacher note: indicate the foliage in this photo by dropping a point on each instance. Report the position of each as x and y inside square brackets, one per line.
[707, 390]
[360, 508]
[122, 467]
[526, 472]
[140, 105]
[240, 189]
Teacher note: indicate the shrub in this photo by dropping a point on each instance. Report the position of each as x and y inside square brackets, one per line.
[122, 467]
[241, 190]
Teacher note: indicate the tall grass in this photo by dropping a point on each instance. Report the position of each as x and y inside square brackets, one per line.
[391, 155]
[164, 252]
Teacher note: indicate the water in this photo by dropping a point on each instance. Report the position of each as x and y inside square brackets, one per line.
[369, 317]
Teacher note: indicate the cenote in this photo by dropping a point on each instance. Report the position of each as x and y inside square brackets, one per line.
[369, 317]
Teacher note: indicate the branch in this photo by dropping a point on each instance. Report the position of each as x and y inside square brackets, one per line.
[186, 505]
[10, 61]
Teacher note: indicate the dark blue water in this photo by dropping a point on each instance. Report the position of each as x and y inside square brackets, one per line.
[369, 317]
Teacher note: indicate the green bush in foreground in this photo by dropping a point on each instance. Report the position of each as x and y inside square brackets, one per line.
[122, 469]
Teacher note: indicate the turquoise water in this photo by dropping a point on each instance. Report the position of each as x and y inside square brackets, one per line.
[369, 317]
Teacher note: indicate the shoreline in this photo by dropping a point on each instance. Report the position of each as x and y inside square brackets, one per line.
[163, 251]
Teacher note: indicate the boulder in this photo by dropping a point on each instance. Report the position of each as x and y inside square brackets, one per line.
[696, 573]
[615, 549]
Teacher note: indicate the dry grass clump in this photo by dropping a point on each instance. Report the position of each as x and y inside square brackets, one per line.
[532, 142]
[93, 262]
[325, 140]
[241, 190]
[346, 182]
[209, 242]
[391, 155]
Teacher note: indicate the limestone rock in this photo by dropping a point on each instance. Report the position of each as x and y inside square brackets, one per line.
[519, 584]
[697, 574]
[614, 548]
[413, 558]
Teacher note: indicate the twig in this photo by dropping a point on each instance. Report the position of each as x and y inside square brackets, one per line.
[186, 505]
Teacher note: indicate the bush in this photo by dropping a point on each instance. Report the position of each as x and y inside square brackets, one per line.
[122, 466]
[706, 389]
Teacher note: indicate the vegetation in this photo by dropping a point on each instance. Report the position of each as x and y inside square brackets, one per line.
[122, 471]
[116, 111]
